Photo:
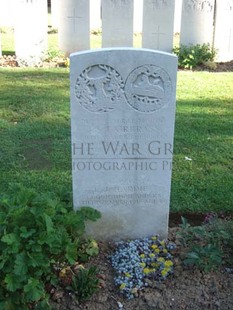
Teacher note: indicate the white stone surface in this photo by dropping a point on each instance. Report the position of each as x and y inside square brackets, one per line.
[74, 26]
[0, 44]
[95, 14]
[197, 22]
[177, 20]
[7, 13]
[31, 25]
[158, 24]
[117, 23]
[223, 39]
[55, 13]
[138, 10]
[123, 112]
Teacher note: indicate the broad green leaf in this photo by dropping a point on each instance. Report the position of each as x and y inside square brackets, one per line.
[49, 223]
[26, 233]
[90, 213]
[34, 289]
[9, 239]
[20, 267]
[13, 282]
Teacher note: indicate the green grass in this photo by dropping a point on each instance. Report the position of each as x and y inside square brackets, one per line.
[95, 41]
[35, 135]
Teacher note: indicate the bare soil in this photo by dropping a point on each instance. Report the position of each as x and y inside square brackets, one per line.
[187, 288]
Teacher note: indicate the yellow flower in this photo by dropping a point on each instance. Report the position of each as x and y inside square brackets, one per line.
[165, 251]
[128, 275]
[152, 255]
[142, 264]
[154, 246]
[162, 243]
[146, 270]
[154, 265]
[161, 259]
[164, 272]
[157, 250]
[154, 238]
[142, 255]
[123, 285]
[168, 263]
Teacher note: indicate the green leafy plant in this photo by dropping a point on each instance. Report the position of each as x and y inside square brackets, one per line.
[85, 283]
[209, 245]
[205, 258]
[36, 232]
[190, 57]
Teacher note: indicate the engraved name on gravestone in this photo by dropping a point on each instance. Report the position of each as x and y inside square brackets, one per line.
[123, 112]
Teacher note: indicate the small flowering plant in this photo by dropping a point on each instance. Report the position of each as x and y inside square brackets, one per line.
[137, 260]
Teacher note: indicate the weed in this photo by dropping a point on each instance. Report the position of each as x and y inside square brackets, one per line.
[190, 57]
[209, 245]
[36, 232]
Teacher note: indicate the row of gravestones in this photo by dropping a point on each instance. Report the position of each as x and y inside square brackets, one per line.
[117, 25]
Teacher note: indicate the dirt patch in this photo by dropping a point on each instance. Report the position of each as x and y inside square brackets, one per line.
[185, 289]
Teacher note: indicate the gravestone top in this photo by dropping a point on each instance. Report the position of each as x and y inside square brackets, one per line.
[122, 122]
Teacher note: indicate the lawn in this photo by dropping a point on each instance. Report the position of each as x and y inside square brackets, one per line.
[35, 136]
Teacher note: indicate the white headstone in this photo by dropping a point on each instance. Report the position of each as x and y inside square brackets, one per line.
[31, 26]
[197, 22]
[177, 20]
[0, 44]
[158, 24]
[7, 13]
[95, 14]
[117, 23]
[55, 13]
[223, 39]
[138, 9]
[123, 112]
[74, 26]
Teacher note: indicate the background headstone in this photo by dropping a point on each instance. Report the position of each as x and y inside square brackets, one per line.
[7, 13]
[123, 111]
[177, 18]
[197, 22]
[74, 26]
[138, 9]
[31, 26]
[158, 24]
[117, 23]
[0, 44]
[95, 14]
[55, 13]
[223, 38]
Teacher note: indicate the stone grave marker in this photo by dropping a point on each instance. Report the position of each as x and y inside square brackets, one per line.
[197, 22]
[0, 45]
[123, 112]
[158, 24]
[31, 25]
[74, 26]
[223, 35]
[117, 23]
[55, 13]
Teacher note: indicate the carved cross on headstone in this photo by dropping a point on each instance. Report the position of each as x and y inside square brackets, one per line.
[74, 17]
[158, 33]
